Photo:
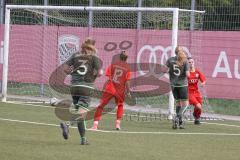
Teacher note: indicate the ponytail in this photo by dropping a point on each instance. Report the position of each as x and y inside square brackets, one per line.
[181, 58]
[88, 48]
[178, 49]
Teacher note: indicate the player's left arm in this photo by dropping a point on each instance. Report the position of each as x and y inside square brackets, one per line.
[128, 77]
[202, 78]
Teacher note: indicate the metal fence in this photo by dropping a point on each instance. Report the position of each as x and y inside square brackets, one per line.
[221, 15]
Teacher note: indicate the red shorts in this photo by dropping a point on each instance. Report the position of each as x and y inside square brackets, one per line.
[107, 96]
[195, 98]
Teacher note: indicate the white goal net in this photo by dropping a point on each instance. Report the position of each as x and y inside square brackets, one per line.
[38, 39]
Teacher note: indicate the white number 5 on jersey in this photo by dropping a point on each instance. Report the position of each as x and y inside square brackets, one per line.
[176, 70]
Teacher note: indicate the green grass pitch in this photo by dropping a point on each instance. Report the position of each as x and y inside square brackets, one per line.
[156, 140]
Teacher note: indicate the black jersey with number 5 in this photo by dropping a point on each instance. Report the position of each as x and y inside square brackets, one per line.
[177, 74]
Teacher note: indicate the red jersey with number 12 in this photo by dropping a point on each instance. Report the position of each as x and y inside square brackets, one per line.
[193, 80]
[119, 73]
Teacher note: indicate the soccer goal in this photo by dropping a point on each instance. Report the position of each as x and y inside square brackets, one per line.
[38, 39]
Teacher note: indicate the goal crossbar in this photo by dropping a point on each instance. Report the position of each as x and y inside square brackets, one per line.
[86, 8]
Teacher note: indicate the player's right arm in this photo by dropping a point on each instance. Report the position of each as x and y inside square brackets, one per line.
[128, 78]
[97, 65]
[167, 65]
[68, 65]
[128, 89]
[67, 68]
[108, 71]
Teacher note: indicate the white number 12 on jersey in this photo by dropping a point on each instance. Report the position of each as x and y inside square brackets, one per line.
[117, 73]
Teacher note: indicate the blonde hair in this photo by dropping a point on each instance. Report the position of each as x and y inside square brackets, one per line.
[88, 46]
[90, 41]
[178, 49]
[181, 58]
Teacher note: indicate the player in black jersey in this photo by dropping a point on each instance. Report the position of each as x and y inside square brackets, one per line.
[84, 67]
[178, 73]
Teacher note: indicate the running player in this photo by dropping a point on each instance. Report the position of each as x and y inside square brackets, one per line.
[195, 97]
[84, 67]
[178, 73]
[118, 83]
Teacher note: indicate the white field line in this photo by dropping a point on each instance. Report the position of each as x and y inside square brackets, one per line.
[31, 105]
[123, 132]
[37, 105]
[221, 124]
[52, 107]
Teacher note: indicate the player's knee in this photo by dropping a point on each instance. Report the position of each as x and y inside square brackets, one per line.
[178, 103]
[101, 106]
[120, 105]
[80, 119]
[199, 106]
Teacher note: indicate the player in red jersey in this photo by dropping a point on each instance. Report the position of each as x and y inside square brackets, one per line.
[195, 97]
[119, 75]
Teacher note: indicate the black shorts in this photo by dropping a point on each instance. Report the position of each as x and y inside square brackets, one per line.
[180, 93]
[80, 94]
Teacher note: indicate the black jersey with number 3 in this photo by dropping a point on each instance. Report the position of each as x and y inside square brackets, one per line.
[177, 73]
[85, 68]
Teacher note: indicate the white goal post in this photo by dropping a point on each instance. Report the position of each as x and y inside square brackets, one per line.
[9, 8]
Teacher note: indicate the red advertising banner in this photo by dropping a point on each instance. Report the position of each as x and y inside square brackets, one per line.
[35, 51]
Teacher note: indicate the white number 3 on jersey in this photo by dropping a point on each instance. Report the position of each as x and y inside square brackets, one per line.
[83, 67]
